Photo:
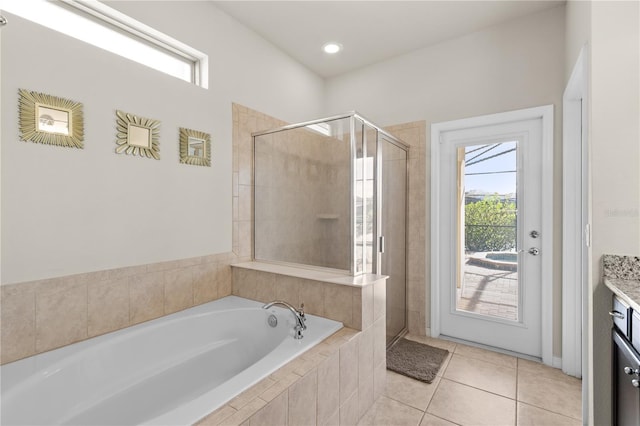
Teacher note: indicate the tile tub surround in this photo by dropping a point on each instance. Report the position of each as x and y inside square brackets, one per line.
[360, 304]
[357, 302]
[38, 316]
[324, 386]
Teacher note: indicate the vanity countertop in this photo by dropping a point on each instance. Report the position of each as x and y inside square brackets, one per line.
[622, 277]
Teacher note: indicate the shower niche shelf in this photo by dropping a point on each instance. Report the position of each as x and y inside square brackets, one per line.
[327, 216]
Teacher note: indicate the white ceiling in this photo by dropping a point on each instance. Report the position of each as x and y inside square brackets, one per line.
[370, 31]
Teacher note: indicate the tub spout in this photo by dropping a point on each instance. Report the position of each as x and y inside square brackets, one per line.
[297, 313]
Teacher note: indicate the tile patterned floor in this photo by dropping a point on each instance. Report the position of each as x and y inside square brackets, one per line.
[479, 387]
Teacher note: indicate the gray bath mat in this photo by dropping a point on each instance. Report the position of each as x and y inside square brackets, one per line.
[415, 360]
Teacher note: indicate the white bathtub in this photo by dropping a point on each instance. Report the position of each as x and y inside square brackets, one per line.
[170, 371]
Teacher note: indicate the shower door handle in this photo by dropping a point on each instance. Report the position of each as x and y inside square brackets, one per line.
[381, 244]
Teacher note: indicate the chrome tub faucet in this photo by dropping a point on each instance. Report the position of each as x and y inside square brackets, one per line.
[297, 313]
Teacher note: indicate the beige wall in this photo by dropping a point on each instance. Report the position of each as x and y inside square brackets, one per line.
[69, 211]
[615, 175]
[513, 65]
[610, 30]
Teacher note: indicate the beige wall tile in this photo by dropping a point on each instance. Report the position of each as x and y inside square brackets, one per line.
[288, 289]
[56, 285]
[205, 285]
[302, 400]
[379, 299]
[265, 287]
[338, 303]
[217, 417]
[349, 370]
[108, 306]
[379, 340]
[178, 290]
[365, 371]
[245, 413]
[334, 420]
[328, 383]
[128, 271]
[223, 279]
[113, 299]
[18, 319]
[244, 283]
[367, 307]
[245, 203]
[275, 413]
[250, 394]
[387, 411]
[146, 297]
[356, 308]
[282, 383]
[379, 380]
[61, 318]
[349, 411]
[245, 242]
[312, 295]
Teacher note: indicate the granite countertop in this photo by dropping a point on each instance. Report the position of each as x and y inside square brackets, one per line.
[622, 277]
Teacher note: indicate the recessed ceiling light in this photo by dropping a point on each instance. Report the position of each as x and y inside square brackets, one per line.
[332, 48]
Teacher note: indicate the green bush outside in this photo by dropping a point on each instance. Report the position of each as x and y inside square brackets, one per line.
[490, 225]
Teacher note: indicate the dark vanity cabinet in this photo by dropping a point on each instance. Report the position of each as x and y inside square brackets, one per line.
[626, 364]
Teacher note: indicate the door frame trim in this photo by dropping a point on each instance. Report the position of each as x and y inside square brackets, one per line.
[574, 223]
[546, 249]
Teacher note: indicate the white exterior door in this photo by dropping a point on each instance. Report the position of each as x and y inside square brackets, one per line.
[491, 236]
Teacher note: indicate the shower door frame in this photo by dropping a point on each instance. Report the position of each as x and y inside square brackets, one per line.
[352, 116]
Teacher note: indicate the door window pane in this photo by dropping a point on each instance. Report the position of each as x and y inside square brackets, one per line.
[487, 272]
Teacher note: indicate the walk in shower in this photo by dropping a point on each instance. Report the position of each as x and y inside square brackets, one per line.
[332, 194]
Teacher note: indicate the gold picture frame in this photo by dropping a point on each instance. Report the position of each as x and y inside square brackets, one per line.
[195, 147]
[137, 135]
[50, 120]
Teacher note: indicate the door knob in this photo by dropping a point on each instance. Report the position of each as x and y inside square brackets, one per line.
[534, 234]
[534, 251]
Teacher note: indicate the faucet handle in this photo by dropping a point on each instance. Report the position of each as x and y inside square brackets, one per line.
[301, 312]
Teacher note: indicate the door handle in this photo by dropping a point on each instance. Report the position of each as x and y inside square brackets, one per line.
[534, 251]
[616, 314]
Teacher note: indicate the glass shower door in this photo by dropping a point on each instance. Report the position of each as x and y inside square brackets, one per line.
[393, 204]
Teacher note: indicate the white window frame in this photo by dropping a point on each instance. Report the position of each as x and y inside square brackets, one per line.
[114, 20]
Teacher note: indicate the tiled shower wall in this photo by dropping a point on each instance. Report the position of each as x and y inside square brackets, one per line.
[418, 269]
[302, 195]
